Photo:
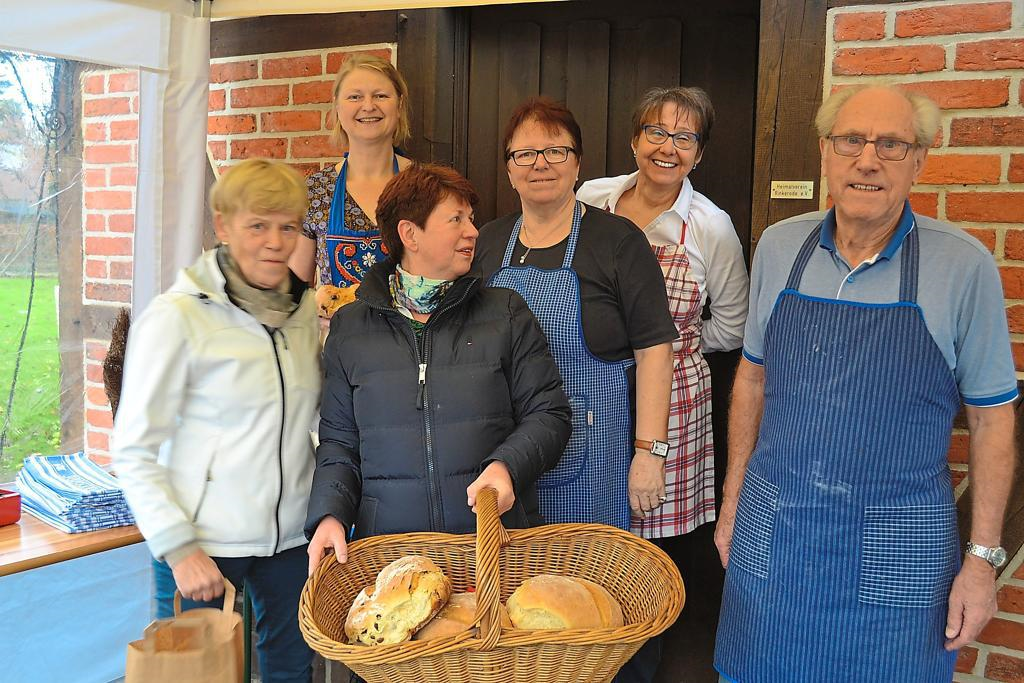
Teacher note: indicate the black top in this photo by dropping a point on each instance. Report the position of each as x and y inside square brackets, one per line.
[622, 289]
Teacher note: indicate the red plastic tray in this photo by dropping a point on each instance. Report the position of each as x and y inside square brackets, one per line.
[10, 507]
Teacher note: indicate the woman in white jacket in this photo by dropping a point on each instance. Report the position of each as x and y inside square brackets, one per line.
[211, 441]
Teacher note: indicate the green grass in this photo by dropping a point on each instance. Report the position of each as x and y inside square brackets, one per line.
[35, 415]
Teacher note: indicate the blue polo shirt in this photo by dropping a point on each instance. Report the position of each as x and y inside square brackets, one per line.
[959, 292]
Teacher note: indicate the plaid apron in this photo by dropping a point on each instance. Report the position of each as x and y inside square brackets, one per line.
[690, 465]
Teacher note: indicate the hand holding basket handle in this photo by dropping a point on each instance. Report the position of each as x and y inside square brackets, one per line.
[490, 537]
[496, 476]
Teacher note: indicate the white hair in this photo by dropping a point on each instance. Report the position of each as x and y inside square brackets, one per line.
[926, 112]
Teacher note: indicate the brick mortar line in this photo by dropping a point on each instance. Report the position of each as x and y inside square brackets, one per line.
[943, 41]
[946, 75]
[1008, 616]
[277, 108]
[923, 4]
[312, 78]
[304, 53]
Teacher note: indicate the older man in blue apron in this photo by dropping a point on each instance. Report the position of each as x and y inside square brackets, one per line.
[868, 327]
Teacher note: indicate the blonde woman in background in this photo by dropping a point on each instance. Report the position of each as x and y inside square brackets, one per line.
[211, 441]
[341, 241]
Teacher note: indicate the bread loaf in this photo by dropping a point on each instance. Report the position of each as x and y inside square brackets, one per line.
[455, 617]
[407, 594]
[608, 606]
[553, 602]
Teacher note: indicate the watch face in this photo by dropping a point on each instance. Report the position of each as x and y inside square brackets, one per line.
[659, 448]
[998, 557]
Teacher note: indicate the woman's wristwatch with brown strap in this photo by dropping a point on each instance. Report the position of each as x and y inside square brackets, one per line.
[658, 448]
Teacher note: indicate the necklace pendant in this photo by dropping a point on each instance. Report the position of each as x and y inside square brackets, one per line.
[522, 259]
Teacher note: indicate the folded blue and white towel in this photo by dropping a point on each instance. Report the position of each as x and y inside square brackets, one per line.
[72, 493]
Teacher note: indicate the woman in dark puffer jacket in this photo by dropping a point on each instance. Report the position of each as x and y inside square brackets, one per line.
[435, 385]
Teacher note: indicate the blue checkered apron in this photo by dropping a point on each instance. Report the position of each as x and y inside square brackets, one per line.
[351, 253]
[590, 482]
[845, 543]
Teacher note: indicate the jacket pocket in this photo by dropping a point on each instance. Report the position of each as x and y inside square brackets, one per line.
[909, 555]
[751, 548]
[366, 518]
[577, 451]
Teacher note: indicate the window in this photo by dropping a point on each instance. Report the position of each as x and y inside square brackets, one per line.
[68, 154]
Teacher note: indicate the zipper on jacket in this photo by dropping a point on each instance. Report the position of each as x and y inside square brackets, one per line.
[423, 358]
[422, 349]
[422, 386]
[280, 447]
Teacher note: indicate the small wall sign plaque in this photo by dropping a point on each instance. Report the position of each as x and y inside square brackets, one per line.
[792, 189]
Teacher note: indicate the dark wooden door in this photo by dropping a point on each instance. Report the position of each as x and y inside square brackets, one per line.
[599, 56]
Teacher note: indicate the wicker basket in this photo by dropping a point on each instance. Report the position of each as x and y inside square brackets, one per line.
[640, 576]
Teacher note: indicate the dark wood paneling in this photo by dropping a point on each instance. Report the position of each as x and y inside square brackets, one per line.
[721, 65]
[788, 94]
[610, 51]
[285, 33]
[587, 91]
[483, 128]
[518, 79]
[426, 56]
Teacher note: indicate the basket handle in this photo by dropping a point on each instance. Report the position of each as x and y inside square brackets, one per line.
[490, 537]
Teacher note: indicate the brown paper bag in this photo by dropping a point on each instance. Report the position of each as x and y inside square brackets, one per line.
[200, 646]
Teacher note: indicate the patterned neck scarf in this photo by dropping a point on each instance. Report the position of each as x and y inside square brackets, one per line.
[270, 306]
[417, 293]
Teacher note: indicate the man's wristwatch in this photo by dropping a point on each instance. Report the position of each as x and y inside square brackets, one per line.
[994, 556]
[658, 448]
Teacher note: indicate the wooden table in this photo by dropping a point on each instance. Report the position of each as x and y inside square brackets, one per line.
[31, 543]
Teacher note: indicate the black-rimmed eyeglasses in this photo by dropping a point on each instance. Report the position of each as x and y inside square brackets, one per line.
[656, 135]
[528, 157]
[887, 149]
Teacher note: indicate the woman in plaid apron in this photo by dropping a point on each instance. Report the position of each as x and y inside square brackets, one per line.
[702, 262]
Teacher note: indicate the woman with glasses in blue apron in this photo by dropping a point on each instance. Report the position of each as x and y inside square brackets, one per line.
[371, 117]
[597, 290]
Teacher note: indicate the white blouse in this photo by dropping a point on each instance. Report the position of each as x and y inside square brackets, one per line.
[712, 247]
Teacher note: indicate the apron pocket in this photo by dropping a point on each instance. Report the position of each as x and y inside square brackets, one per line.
[751, 548]
[909, 555]
[577, 451]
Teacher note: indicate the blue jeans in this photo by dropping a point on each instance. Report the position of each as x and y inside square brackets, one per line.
[274, 585]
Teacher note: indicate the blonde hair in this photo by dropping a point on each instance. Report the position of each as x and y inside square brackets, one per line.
[262, 186]
[385, 68]
[925, 111]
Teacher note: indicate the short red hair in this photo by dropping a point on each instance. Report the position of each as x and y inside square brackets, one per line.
[554, 116]
[412, 195]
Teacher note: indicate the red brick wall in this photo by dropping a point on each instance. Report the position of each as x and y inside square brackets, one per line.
[277, 106]
[968, 55]
[110, 129]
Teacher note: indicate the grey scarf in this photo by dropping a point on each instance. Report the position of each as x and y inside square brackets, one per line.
[270, 306]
